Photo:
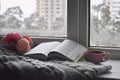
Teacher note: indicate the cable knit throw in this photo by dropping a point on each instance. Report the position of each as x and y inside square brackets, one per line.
[14, 67]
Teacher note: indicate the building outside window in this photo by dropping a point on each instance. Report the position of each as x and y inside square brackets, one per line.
[34, 19]
[105, 23]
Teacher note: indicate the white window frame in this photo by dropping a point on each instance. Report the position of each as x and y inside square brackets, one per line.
[72, 24]
[78, 27]
[115, 53]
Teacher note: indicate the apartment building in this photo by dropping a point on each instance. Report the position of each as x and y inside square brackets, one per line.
[49, 10]
[114, 6]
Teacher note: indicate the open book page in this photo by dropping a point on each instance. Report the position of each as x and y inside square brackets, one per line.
[43, 48]
[71, 49]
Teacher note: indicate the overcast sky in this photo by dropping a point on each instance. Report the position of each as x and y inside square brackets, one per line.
[96, 2]
[27, 6]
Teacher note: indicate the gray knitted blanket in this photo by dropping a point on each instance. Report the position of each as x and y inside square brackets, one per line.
[15, 67]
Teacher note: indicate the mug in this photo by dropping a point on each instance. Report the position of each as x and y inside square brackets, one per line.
[96, 57]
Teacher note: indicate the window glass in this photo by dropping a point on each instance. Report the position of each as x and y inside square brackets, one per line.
[33, 17]
[105, 23]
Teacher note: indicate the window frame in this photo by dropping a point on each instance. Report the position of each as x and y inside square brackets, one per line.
[72, 23]
[78, 27]
[115, 52]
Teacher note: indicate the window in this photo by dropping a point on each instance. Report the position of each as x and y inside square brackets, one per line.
[105, 23]
[47, 0]
[31, 20]
[103, 26]
[71, 29]
[57, 1]
[52, 4]
[52, 12]
[57, 4]
[57, 8]
[57, 11]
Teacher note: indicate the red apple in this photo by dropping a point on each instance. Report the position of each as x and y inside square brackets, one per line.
[23, 46]
[29, 39]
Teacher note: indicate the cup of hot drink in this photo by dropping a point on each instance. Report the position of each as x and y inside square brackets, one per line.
[96, 56]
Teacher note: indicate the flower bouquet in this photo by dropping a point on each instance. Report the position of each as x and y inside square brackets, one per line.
[17, 42]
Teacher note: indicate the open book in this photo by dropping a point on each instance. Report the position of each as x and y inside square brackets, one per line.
[65, 50]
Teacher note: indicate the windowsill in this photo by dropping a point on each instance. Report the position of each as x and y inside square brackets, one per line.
[114, 73]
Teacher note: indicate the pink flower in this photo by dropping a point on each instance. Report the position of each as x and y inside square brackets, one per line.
[16, 37]
[10, 40]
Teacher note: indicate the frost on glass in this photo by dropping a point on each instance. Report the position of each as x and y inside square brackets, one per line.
[34, 17]
[105, 23]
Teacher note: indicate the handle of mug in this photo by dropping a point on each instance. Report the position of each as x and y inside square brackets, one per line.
[106, 56]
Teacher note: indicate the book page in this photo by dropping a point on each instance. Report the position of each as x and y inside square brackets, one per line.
[43, 48]
[71, 49]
